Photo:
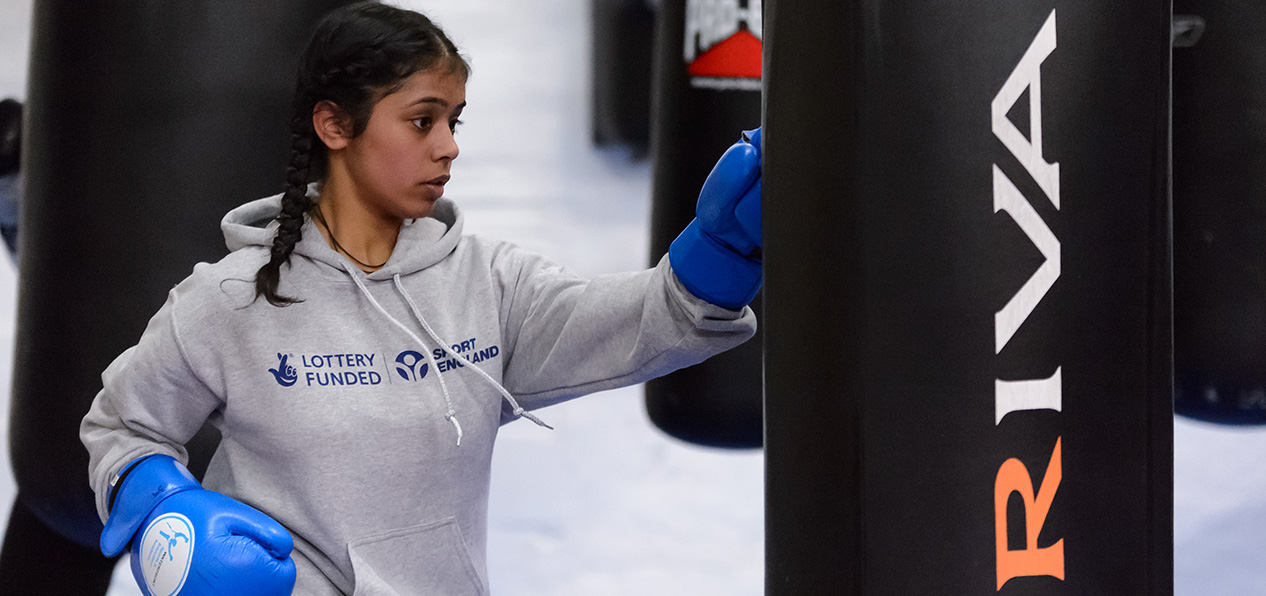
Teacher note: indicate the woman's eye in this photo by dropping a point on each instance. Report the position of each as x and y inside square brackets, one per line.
[453, 124]
[422, 123]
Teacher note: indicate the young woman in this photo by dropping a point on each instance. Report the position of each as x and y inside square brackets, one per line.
[358, 352]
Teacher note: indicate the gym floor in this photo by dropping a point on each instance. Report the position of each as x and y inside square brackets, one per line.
[607, 504]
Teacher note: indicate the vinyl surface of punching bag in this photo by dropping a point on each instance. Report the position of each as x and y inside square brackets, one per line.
[1220, 214]
[623, 40]
[968, 298]
[146, 123]
[707, 72]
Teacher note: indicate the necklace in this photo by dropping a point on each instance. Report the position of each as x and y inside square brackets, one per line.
[340, 248]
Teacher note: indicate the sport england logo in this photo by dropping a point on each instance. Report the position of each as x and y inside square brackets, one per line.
[285, 374]
[407, 365]
[723, 44]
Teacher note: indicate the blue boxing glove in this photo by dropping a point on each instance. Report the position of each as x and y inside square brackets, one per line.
[718, 256]
[190, 541]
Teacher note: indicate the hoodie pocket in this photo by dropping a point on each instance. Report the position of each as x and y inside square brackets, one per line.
[418, 560]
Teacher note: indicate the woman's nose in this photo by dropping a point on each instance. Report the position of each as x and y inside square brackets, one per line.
[447, 146]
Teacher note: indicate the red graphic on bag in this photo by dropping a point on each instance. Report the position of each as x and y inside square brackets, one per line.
[723, 43]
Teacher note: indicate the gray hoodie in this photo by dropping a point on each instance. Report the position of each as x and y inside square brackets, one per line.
[363, 418]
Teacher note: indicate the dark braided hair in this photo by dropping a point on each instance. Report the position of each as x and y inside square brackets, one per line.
[358, 54]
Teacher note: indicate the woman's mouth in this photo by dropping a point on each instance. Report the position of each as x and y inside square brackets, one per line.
[436, 185]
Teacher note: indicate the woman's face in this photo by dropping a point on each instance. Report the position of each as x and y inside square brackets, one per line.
[399, 164]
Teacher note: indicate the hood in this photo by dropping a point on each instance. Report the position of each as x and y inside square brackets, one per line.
[422, 243]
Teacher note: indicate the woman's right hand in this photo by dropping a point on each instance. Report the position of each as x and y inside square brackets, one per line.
[191, 541]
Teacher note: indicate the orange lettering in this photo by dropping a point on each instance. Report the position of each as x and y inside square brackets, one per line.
[1030, 561]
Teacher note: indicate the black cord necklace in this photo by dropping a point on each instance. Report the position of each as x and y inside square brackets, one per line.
[364, 265]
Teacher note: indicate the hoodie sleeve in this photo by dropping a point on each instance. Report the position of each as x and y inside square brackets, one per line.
[569, 336]
[151, 401]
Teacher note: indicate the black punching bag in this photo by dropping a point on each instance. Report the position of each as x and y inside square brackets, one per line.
[10, 136]
[146, 122]
[967, 298]
[1220, 214]
[623, 39]
[707, 73]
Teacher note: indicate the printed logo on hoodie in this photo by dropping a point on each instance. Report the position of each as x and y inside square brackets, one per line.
[407, 365]
[285, 374]
[362, 368]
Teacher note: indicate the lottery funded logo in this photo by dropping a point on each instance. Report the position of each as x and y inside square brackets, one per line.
[328, 370]
[285, 374]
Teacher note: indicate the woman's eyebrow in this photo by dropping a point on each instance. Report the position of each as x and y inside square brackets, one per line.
[436, 100]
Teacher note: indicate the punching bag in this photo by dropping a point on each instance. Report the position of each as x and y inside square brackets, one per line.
[10, 160]
[623, 40]
[1220, 214]
[10, 136]
[967, 298]
[146, 122]
[707, 73]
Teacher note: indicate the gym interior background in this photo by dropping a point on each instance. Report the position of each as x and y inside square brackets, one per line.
[609, 504]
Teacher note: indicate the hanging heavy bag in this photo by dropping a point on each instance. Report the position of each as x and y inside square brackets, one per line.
[707, 73]
[146, 123]
[622, 40]
[967, 298]
[1220, 213]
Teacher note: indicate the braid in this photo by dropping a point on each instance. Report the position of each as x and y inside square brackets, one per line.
[294, 205]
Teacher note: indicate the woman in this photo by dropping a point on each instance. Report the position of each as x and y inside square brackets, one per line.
[358, 352]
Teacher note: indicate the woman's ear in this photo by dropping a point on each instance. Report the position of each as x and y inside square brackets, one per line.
[331, 125]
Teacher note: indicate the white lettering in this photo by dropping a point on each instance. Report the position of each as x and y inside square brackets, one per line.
[1028, 74]
[1037, 394]
[1006, 197]
[711, 21]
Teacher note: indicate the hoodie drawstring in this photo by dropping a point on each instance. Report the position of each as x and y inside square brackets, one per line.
[516, 408]
[451, 414]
